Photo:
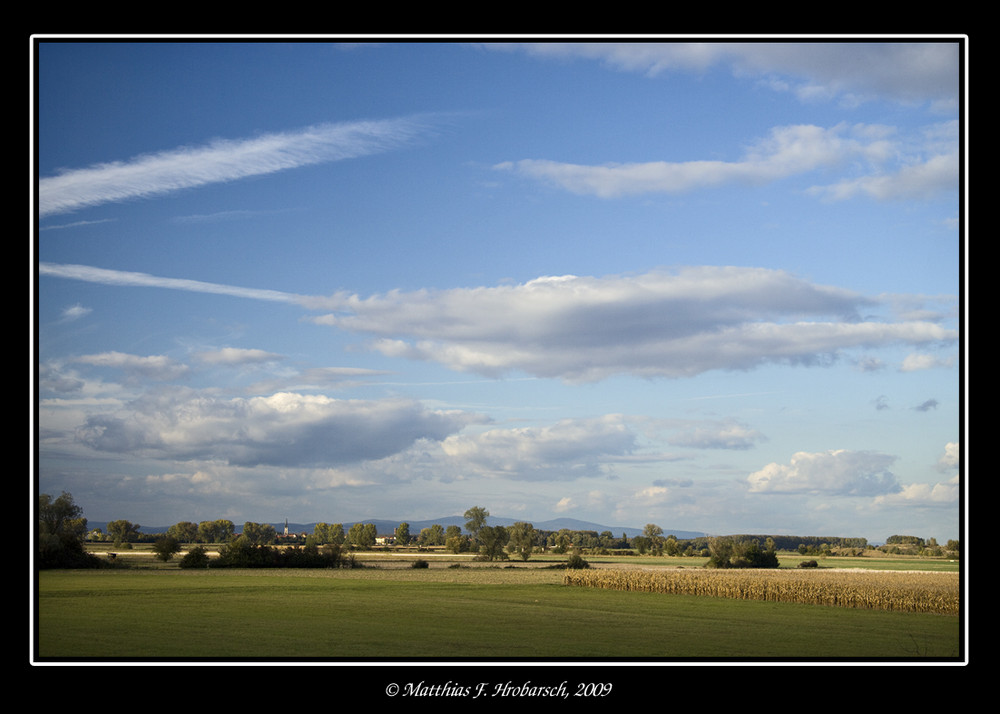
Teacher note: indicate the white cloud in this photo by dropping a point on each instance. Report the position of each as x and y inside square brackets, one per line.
[905, 71]
[918, 362]
[569, 449]
[927, 179]
[75, 312]
[237, 356]
[950, 459]
[725, 434]
[283, 429]
[787, 151]
[564, 505]
[923, 494]
[657, 324]
[219, 161]
[836, 472]
[158, 367]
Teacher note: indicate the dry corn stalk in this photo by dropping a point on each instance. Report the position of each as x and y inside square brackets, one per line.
[910, 591]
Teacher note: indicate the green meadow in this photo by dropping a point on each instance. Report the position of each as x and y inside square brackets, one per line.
[448, 614]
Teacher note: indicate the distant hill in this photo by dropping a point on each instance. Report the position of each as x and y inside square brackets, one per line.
[387, 526]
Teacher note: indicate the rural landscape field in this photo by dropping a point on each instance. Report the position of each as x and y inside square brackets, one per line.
[687, 314]
[438, 606]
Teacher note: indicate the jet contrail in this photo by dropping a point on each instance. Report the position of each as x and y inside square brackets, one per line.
[218, 161]
[119, 277]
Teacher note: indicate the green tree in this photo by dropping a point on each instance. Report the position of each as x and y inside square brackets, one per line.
[476, 520]
[218, 531]
[225, 530]
[207, 532]
[522, 539]
[457, 544]
[403, 533]
[329, 533]
[492, 540]
[165, 547]
[642, 544]
[563, 540]
[655, 535]
[123, 531]
[652, 531]
[727, 552]
[432, 535]
[184, 532]
[259, 533]
[362, 535]
[58, 516]
[61, 530]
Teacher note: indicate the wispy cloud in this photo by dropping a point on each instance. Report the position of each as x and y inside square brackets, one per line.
[75, 312]
[155, 367]
[235, 356]
[219, 161]
[923, 172]
[786, 151]
[850, 72]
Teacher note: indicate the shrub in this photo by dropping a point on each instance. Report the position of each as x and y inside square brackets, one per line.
[808, 564]
[241, 553]
[197, 557]
[419, 563]
[165, 547]
[575, 562]
[730, 553]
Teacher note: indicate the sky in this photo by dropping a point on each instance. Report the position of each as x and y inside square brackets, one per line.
[713, 284]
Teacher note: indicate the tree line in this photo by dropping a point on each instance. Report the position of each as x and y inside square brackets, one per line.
[62, 531]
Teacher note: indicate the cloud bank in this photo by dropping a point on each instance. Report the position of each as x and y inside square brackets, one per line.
[583, 329]
[658, 324]
[283, 429]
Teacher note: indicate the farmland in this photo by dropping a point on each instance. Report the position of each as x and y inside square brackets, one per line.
[900, 591]
[455, 609]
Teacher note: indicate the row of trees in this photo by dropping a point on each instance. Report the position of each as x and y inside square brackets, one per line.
[62, 530]
[521, 537]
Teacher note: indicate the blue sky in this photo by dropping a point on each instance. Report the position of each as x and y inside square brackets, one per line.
[709, 285]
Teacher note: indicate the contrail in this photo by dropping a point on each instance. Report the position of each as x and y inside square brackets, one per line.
[118, 277]
[219, 161]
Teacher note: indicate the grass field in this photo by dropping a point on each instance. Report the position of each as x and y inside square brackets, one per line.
[450, 614]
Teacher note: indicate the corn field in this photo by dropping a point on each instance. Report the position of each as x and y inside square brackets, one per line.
[925, 592]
